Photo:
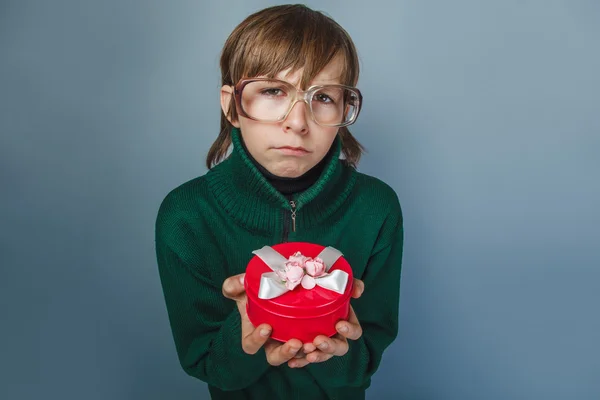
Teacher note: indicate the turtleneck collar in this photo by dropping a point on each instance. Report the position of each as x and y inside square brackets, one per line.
[289, 186]
[248, 196]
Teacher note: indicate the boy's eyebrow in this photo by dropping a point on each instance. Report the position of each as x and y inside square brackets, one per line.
[326, 81]
[322, 81]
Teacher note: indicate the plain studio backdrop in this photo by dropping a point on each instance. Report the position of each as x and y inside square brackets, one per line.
[483, 116]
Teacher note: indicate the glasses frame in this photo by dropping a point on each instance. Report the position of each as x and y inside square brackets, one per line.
[301, 95]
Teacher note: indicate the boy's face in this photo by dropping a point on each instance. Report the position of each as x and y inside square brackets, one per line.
[265, 140]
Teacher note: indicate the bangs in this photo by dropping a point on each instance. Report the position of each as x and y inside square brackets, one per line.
[294, 38]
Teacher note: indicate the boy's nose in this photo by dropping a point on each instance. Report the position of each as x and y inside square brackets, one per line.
[297, 119]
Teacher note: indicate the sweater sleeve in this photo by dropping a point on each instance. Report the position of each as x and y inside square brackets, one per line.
[206, 326]
[376, 310]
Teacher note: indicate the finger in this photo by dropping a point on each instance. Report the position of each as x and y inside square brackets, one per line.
[351, 328]
[298, 362]
[278, 353]
[309, 347]
[318, 356]
[300, 353]
[252, 342]
[336, 345]
[358, 288]
[233, 286]
[352, 318]
[247, 326]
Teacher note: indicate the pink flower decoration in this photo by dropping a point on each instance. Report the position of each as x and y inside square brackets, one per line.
[300, 269]
[292, 274]
[299, 258]
[315, 267]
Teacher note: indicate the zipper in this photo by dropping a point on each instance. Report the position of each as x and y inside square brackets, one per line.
[289, 216]
[293, 207]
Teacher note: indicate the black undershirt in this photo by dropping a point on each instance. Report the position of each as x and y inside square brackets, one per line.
[289, 186]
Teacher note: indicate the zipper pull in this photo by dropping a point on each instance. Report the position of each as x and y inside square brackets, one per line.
[293, 204]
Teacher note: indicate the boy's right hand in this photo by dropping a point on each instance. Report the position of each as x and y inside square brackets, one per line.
[255, 337]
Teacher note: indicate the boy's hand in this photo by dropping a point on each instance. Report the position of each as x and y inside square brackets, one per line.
[253, 338]
[323, 347]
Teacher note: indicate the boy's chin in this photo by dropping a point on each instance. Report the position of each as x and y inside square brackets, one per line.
[290, 171]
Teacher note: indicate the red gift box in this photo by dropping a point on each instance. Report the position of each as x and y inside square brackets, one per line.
[299, 313]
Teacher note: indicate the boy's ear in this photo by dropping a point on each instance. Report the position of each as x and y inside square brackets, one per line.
[227, 102]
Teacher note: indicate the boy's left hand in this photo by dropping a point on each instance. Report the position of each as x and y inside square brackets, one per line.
[323, 347]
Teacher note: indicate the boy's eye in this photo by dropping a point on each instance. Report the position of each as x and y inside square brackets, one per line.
[323, 98]
[272, 92]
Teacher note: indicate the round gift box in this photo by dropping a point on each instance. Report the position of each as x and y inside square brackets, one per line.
[299, 313]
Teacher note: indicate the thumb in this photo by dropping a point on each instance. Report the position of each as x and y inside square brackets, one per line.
[233, 286]
[358, 288]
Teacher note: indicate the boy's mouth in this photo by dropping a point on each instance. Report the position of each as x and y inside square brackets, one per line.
[293, 151]
[293, 148]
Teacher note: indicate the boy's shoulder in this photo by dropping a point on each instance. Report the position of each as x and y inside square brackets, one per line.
[184, 201]
[376, 191]
[188, 188]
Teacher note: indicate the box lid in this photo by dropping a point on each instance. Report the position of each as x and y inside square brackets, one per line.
[299, 302]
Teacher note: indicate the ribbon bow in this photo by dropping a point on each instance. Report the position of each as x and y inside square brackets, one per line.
[271, 285]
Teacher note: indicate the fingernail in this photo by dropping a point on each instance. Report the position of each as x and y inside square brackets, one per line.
[242, 279]
[294, 349]
[344, 328]
[293, 365]
[264, 332]
[323, 345]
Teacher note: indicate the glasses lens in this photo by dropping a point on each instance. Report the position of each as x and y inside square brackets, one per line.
[333, 105]
[270, 100]
[267, 100]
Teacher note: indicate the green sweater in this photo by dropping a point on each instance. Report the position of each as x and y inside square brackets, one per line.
[206, 230]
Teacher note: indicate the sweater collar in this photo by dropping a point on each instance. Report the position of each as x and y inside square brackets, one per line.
[248, 197]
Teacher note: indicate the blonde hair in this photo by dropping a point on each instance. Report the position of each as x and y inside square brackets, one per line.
[275, 39]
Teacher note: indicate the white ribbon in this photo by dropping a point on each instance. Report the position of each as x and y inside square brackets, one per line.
[271, 285]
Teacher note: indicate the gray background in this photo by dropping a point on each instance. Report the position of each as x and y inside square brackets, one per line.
[483, 116]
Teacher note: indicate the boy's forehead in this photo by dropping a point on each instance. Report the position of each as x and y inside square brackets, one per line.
[330, 74]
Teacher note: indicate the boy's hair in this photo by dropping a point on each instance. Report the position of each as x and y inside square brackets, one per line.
[275, 39]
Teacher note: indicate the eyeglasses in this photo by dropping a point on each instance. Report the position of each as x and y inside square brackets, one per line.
[271, 100]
